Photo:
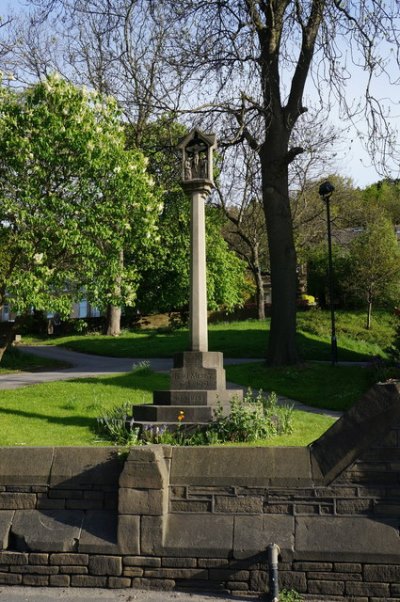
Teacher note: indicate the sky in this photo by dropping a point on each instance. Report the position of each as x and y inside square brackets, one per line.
[354, 161]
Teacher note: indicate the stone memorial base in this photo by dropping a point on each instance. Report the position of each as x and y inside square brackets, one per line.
[198, 387]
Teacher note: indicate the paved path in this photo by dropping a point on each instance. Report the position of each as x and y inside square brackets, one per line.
[46, 594]
[84, 365]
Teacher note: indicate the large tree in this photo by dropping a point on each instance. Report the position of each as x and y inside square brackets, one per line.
[250, 60]
[71, 199]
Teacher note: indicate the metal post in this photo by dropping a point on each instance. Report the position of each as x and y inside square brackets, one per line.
[325, 191]
[331, 300]
[273, 553]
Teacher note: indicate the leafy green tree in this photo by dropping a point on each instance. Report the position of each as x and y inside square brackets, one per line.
[71, 199]
[375, 264]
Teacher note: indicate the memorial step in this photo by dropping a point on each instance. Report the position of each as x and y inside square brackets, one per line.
[170, 413]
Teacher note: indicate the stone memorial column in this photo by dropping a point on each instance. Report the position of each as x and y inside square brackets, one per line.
[198, 377]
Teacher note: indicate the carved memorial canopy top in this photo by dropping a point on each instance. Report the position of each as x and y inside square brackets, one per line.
[197, 156]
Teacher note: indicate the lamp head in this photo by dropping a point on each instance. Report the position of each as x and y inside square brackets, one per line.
[326, 189]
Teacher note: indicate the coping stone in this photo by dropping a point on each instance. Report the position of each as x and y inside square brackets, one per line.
[25, 465]
[6, 517]
[46, 531]
[347, 539]
[255, 466]
[77, 467]
[253, 534]
[367, 421]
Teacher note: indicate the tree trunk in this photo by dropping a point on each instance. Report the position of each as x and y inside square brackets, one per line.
[113, 324]
[6, 337]
[282, 340]
[260, 295]
[369, 312]
[114, 312]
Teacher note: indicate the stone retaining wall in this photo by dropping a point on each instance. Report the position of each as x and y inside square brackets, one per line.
[202, 518]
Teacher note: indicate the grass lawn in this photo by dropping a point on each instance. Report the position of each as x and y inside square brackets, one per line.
[65, 412]
[249, 338]
[317, 385]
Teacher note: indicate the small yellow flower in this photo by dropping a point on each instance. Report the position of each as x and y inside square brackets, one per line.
[181, 416]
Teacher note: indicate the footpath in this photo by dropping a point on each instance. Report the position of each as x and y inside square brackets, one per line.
[45, 594]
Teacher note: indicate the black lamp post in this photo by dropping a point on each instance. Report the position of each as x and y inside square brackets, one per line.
[325, 191]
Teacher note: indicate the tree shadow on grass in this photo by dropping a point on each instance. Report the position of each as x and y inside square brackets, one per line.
[82, 421]
[129, 380]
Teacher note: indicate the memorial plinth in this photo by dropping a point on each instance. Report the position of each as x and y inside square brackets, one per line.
[198, 381]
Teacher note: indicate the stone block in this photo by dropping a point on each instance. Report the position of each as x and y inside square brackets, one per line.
[142, 475]
[348, 567]
[363, 506]
[59, 580]
[46, 503]
[165, 585]
[151, 502]
[335, 588]
[190, 506]
[198, 535]
[344, 538]
[5, 526]
[246, 504]
[142, 561]
[259, 581]
[131, 571]
[70, 559]
[293, 580]
[31, 466]
[74, 570]
[10, 579]
[237, 586]
[88, 581]
[105, 565]
[99, 532]
[389, 573]
[40, 559]
[119, 582]
[198, 370]
[151, 535]
[183, 563]
[313, 566]
[196, 397]
[13, 558]
[251, 467]
[83, 467]
[176, 573]
[252, 534]
[35, 580]
[34, 570]
[53, 531]
[17, 501]
[208, 563]
[128, 534]
[367, 589]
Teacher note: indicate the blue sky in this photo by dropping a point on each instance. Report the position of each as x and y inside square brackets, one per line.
[355, 162]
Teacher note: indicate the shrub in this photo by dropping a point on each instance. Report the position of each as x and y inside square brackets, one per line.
[115, 426]
[252, 418]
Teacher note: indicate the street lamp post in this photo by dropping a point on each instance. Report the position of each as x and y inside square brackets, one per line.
[325, 190]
